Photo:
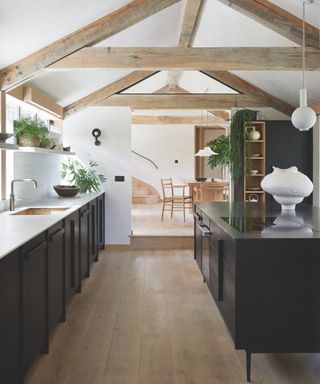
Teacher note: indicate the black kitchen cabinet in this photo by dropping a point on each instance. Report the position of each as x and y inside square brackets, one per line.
[72, 255]
[56, 269]
[197, 236]
[101, 220]
[84, 240]
[93, 231]
[35, 299]
[10, 315]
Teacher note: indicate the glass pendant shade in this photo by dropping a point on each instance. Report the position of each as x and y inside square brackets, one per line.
[304, 117]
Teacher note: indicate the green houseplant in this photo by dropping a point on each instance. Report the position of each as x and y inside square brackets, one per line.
[29, 131]
[237, 127]
[86, 178]
[220, 145]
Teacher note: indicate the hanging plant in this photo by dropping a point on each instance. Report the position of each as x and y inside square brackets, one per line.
[238, 121]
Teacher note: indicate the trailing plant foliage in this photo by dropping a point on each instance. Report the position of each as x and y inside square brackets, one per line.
[86, 178]
[237, 139]
[30, 127]
[221, 146]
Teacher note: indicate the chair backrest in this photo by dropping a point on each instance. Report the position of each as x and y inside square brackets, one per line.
[167, 187]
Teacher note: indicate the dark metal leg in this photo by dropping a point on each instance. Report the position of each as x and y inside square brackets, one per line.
[248, 363]
[204, 280]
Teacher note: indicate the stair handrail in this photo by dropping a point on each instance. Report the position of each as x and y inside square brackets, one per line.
[144, 157]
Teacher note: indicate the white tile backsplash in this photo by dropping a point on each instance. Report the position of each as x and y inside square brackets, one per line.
[45, 169]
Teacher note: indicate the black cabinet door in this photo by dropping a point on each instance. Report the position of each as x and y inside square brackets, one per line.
[101, 221]
[72, 255]
[35, 312]
[10, 315]
[84, 240]
[93, 231]
[56, 299]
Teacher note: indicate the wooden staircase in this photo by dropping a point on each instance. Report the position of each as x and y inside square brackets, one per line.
[143, 193]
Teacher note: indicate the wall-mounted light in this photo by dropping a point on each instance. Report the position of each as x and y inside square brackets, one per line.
[96, 133]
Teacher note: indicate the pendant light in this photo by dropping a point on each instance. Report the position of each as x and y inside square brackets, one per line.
[304, 117]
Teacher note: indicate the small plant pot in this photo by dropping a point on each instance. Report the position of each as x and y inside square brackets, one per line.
[28, 141]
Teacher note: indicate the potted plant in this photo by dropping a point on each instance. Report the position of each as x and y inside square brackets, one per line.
[237, 127]
[86, 178]
[29, 131]
[221, 146]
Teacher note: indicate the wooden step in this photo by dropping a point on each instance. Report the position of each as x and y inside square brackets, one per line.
[140, 192]
[150, 199]
[162, 242]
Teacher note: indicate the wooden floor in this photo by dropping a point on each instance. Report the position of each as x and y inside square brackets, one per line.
[146, 221]
[146, 317]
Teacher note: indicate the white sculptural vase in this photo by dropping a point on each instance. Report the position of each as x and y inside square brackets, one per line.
[288, 186]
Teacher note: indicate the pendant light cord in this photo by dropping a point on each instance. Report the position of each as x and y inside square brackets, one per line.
[304, 44]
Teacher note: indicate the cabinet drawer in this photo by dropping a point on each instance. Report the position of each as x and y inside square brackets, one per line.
[228, 245]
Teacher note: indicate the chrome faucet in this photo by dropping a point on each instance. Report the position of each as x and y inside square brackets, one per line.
[12, 197]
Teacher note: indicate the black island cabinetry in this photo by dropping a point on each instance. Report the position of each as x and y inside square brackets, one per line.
[38, 279]
[264, 270]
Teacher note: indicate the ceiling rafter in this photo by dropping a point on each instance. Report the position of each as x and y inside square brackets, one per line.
[164, 120]
[188, 30]
[277, 19]
[107, 91]
[243, 86]
[218, 59]
[91, 34]
[180, 101]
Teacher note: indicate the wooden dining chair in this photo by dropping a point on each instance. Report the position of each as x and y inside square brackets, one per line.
[174, 201]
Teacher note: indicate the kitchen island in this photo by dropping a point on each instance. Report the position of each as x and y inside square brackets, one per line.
[262, 267]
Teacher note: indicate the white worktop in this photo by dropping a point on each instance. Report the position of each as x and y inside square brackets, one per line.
[19, 229]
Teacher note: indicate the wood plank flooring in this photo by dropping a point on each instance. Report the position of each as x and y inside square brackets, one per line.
[145, 317]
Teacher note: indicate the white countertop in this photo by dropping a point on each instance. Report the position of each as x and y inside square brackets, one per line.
[17, 230]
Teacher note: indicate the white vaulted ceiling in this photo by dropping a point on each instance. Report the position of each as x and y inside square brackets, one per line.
[26, 26]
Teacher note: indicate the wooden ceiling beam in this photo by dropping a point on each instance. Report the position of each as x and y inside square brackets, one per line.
[93, 33]
[177, 120]
[188, 30]
[107, 91]
[215, 59]
[223, 114]
[277, 19]
[243, 86]
[180, 101]
[316, 107]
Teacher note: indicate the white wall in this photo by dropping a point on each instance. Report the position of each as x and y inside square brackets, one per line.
[113, 157]
[163, 144]
[316, 164]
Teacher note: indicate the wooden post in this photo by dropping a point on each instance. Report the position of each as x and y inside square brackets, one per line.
[3, 153]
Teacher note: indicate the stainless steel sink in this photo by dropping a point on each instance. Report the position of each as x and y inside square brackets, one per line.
[40, 211]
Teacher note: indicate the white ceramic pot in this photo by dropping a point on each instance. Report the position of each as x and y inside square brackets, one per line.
[288, 186]
[252, 133]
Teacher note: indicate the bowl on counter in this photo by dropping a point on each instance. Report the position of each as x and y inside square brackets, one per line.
[5, 136]
[66, 190]
[200, 179]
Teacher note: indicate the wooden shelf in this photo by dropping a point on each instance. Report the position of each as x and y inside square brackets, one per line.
[260, 191]
[254, 147]
[7, 146]
[45, 151]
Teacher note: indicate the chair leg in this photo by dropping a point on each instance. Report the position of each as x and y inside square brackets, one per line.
[163, 204]
[171, 208]
[184, 211]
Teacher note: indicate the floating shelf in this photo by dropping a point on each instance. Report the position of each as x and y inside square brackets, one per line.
[44, 151]
[8, 146]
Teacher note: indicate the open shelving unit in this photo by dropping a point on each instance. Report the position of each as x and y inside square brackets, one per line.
[254, 159]
[45, 151]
